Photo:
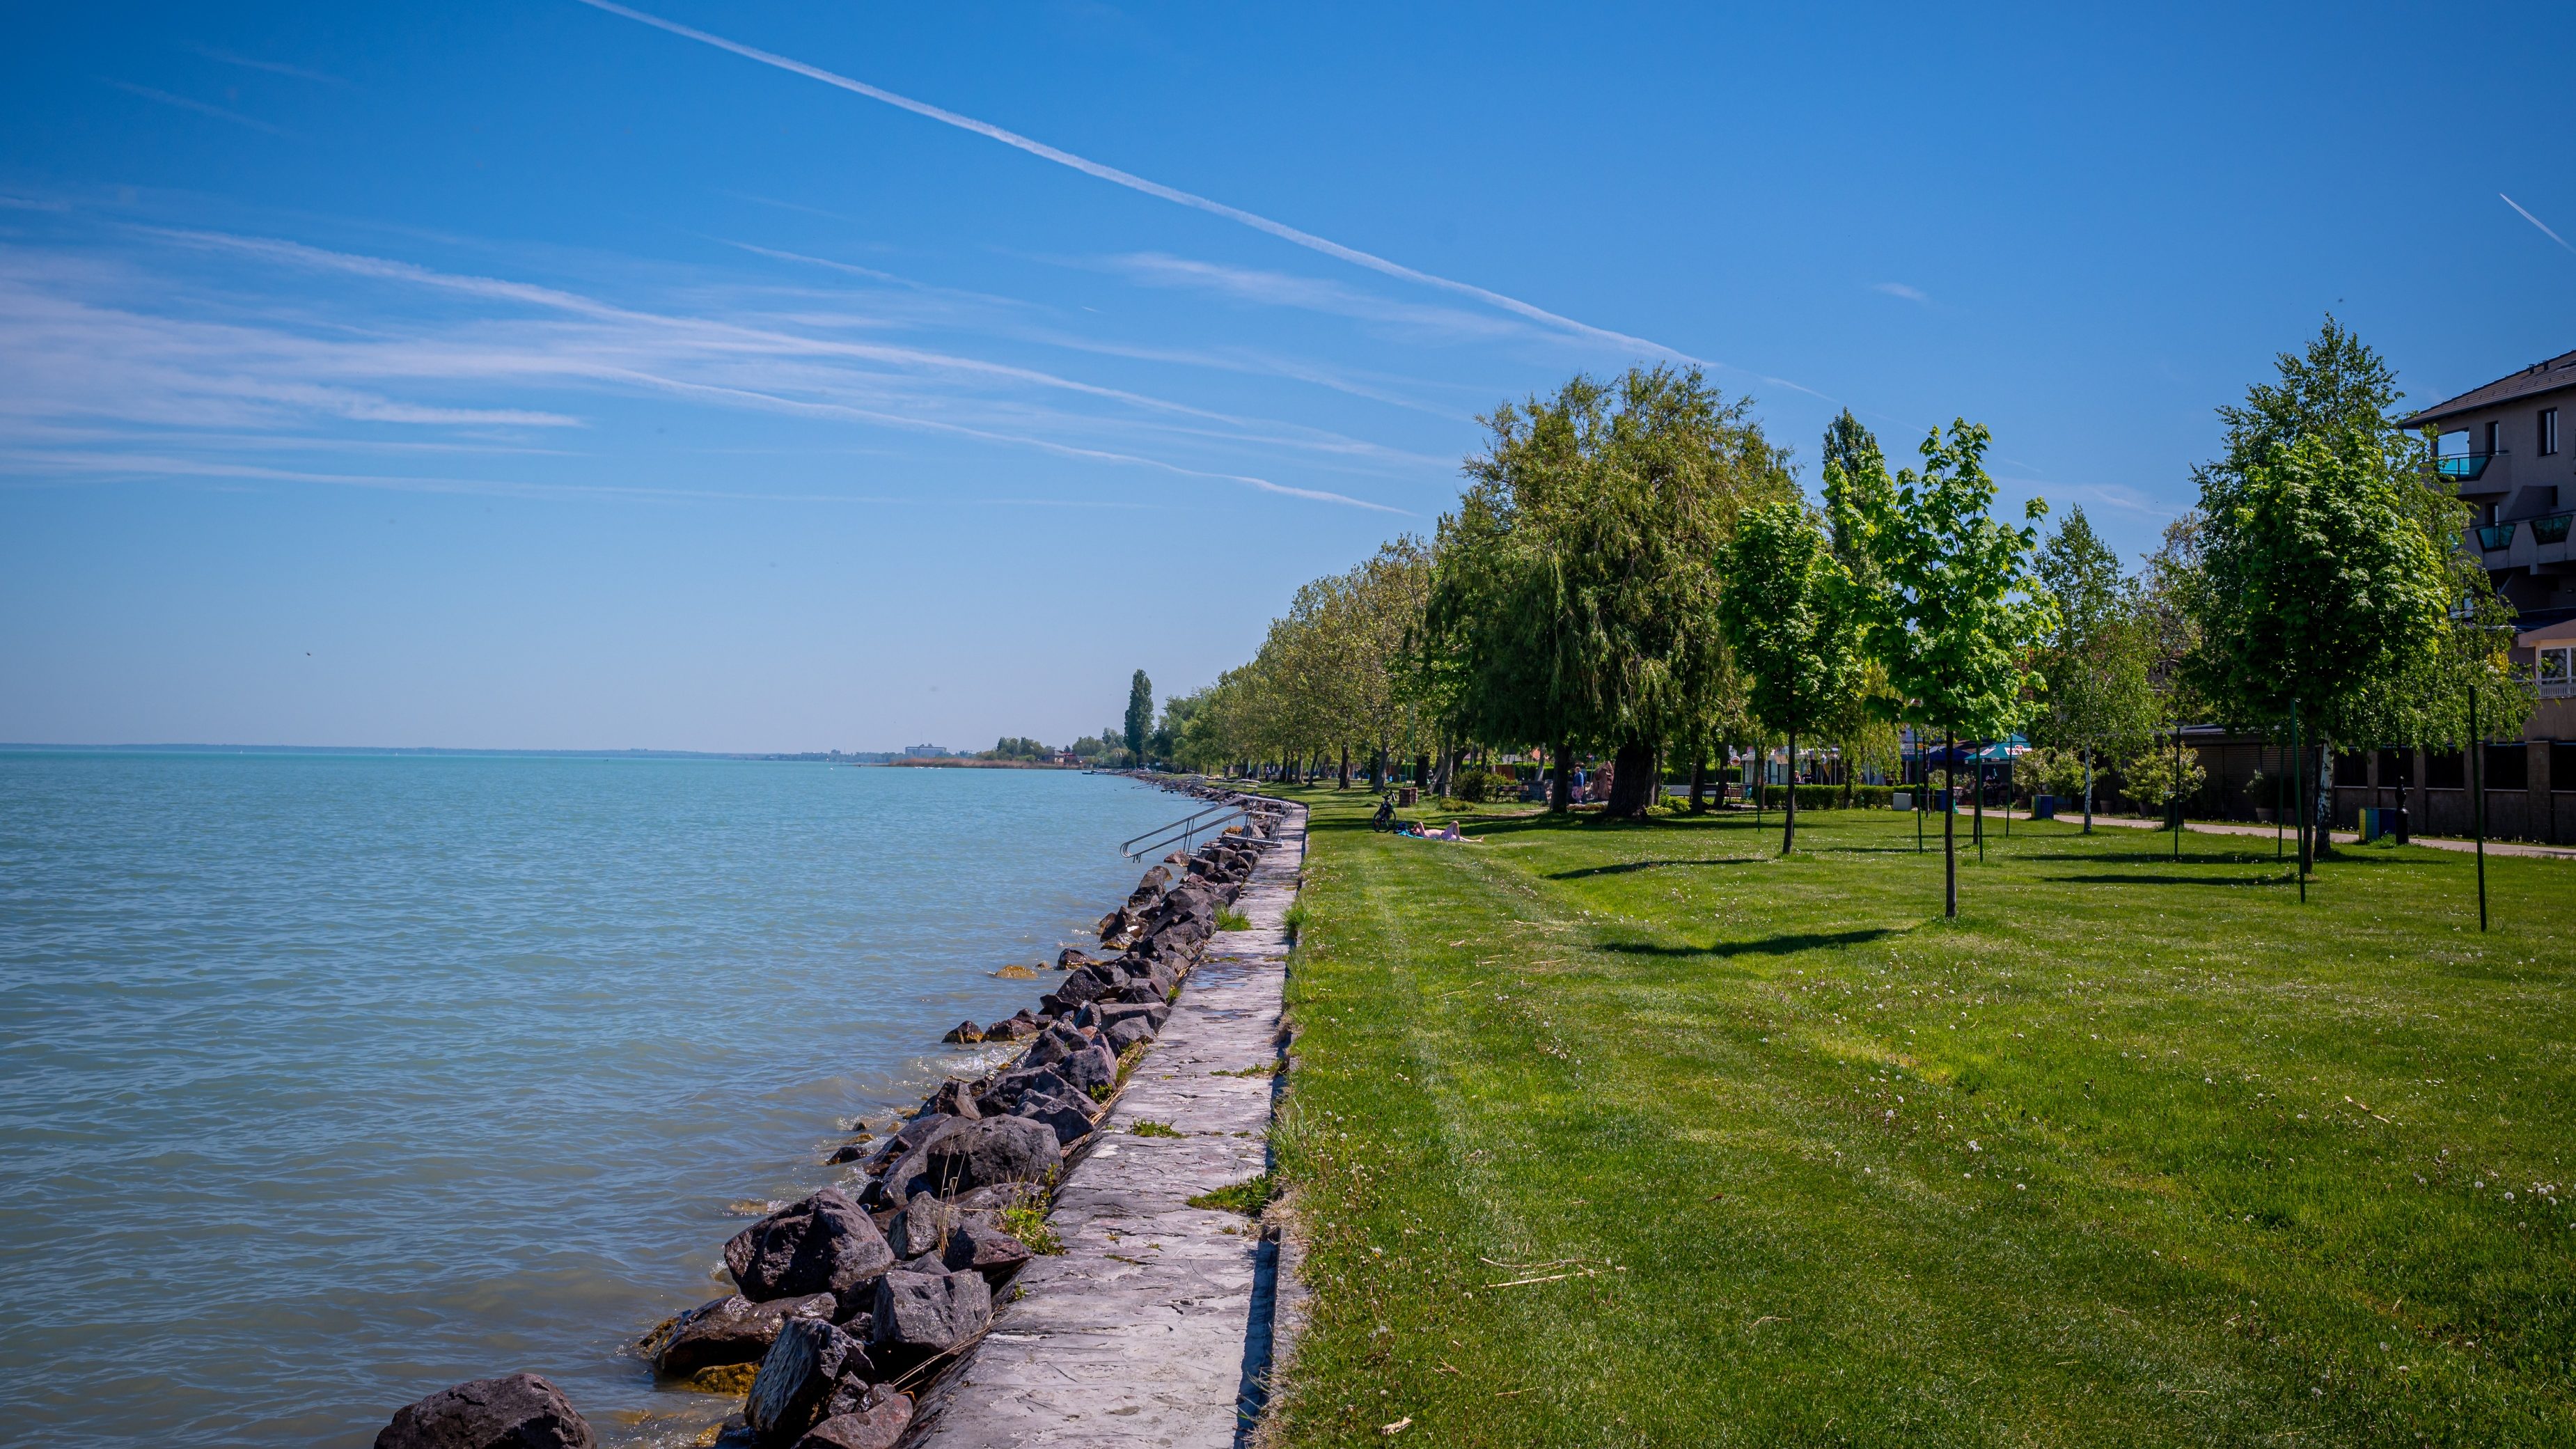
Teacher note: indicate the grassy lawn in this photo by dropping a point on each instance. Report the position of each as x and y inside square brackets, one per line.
[2135, 1152]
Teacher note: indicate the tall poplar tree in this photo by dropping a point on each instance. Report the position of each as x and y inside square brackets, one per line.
[1140, 715]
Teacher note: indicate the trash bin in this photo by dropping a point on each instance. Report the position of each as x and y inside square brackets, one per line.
[2043, 807]
[1408, 796]
[1901, 800]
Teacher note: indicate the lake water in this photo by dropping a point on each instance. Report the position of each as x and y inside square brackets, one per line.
[327, 1081]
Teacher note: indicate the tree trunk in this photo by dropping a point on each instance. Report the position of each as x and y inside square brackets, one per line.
[2088, 790]
[1560, 791]
[1789, 817]
[2321, 819]
[1949, 838]
[1699, 779]
[1979, 829]
[1633, 784]
[1343, 781]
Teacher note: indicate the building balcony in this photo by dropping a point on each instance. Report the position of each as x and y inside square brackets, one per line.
[2522, 543]
[2463, 467]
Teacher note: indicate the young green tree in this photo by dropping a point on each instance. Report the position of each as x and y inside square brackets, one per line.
[1785, 615]
[2329, 569]
[1958, 612]
[2095, 659]
[1140, 716]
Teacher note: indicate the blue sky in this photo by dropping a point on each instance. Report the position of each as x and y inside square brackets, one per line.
[532, 375]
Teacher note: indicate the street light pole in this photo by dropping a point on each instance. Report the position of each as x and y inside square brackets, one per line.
[2478, 800]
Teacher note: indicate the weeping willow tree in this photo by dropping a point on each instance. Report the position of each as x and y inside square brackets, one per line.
[1576, 585]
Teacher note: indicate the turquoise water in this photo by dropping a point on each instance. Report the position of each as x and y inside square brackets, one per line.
[326, 1081]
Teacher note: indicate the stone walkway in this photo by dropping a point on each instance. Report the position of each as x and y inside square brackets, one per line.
[1154, 1326]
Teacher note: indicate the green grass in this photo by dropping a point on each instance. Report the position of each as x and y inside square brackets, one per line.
[1029, 1224]
[1247, 1197]
[2136, 1152]
[1147, 1127]
[1233, 920]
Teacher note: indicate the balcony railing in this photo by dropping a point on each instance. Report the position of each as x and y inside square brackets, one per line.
[2552, 529]
[2494, 536]
[2463, 467]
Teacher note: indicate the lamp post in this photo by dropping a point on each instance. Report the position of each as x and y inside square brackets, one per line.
[2462, 617]
[2478, 800]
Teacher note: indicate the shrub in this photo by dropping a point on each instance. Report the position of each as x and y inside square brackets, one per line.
[1828, 797]
[1477, 787]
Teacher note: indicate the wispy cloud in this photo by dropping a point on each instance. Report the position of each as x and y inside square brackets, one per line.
[1281, 289]
[85, 344]
[201, 108]
[273, 67]
[2536, 221]
[1175, 195]
[1899, 289]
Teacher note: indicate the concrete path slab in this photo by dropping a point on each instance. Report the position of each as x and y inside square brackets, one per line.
[1145, 1330]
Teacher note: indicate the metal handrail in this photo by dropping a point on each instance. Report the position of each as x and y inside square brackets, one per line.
[1183, 830]
[1184, 820]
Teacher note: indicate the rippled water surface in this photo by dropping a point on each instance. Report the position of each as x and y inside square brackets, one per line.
[326, 1081]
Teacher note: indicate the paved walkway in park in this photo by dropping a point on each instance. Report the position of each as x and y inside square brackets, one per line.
[1155, 1326]
[2341, 837]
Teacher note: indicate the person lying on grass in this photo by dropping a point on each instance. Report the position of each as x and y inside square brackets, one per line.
[1451, 833]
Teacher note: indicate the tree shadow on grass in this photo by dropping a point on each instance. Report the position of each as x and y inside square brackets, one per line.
[2107, 878]
[2149, 857]
[1626, 867]
[1788, 945]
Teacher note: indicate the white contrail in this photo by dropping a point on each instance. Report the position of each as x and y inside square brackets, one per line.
[2536, 221]
[1133, 182]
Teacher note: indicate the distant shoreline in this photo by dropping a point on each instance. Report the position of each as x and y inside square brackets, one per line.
[812, 756]
[961, 762]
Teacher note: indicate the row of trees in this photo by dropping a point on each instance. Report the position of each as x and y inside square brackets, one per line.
[1634, 570]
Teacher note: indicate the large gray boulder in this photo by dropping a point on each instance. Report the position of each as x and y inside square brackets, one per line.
[876, 1422]
[1126, 1032]
[920, 1314]
[515, 1411]
[954, 1098]
[1091, 1070]
[797, 1378]
[982, 1247]
[994, 1150]
[1068, 1118]
[733, 1330]
[1054, 1045]
[1013, 1086]
[823, 1244]
[903, 1176]
[921, 1227]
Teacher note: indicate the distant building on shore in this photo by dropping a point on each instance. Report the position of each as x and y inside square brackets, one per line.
[927, 752]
